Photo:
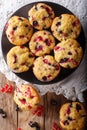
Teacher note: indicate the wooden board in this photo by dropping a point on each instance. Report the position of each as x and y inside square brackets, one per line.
[21, 119]
[51, 111]
[7, 104]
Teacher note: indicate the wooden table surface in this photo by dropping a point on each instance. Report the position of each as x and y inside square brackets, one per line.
[22, 118]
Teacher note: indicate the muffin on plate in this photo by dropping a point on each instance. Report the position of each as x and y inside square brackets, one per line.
[46, 68]
[20, 59]
[26, 97]
[41, 43]
[73, 116]
[18, 30]
[66, 26]
[68, 53]
[41, 16]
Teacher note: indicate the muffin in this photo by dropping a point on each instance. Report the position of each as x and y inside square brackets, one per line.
[41, 16]
[42, 42]
[68, 53]
[46, 68]
[73, 116]
[18, 30]
[26, 97]
[19, 59]
[66, 26]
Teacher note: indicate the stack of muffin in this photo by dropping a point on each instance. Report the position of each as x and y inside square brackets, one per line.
[41, 31]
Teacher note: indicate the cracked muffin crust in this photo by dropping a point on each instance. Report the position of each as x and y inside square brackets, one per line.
[19, 59]
[73, 116]
[41, 16]
[41, 43]
[46, 68]
[18, 30]
[68, 53]
[26, 97]
[66, 26]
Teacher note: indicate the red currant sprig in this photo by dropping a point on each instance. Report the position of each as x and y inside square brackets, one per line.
[55, 126]
[38, 111]
[19, 129]
[7, 89]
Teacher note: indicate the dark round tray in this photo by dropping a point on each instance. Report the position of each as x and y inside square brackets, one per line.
[29, 76]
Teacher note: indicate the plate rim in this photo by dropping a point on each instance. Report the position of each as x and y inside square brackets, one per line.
[3, 32]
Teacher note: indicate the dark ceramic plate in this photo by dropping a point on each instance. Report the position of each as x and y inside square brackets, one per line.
[29, 76]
